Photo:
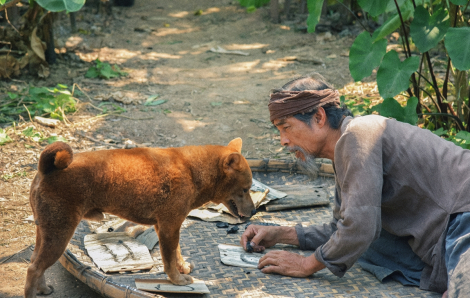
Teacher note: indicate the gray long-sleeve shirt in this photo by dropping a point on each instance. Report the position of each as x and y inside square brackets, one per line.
[394, 176]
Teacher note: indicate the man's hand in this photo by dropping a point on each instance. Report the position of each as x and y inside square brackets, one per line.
[260, 237]
[289, 264]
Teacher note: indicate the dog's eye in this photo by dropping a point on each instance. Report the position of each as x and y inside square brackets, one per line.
[245, 190]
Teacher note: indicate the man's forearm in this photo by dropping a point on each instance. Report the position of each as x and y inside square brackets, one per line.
[288, 235]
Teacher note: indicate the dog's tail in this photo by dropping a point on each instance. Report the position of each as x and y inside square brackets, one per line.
[56, 156]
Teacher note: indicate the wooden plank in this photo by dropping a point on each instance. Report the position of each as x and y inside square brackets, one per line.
[164, 285]
[327, 168]
[299, 196]
[287, 166]
[117, 252]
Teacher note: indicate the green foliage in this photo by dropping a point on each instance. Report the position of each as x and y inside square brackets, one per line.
[37, 136]
[117, 108]
[255, 3]
[461, 138]
[427, 30]
[7, 177]
[314, 11]
[104, 70]
[392, 108]
[393, 75]
[416, 69]
[365, 55]
[374, 7]
[32, 134]
[4, 138]
[459, 2]
[61, 5]
[151, 101]
[38, 101]
[458, 46]
[357, 108]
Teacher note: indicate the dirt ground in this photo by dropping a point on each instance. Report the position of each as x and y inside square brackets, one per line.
[165, 48]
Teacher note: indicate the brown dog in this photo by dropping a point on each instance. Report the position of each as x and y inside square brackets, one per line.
[144, 185]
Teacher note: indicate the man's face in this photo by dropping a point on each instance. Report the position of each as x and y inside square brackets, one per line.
[300, 138]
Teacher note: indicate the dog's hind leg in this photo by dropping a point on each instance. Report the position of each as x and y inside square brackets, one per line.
[169, 235]
[42, 288]
[49, 247]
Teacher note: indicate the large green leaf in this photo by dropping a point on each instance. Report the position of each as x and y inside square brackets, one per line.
[411, 116]
[374, 7]
[457, 43]
[459, 2]
[426, 30]
[393, 75]
[61, 5]
[314, 12]
[391, 108]
[365, 55]
[392, 24]
[392, 7]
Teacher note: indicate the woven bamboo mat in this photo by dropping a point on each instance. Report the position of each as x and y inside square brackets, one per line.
[199, 243]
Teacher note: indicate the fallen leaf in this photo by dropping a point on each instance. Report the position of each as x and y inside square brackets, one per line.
[37, 45]
[9, 66]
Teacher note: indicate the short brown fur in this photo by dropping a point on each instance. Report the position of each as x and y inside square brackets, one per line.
[145, 185]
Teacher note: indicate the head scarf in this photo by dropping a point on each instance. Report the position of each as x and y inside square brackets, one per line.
[284, 104]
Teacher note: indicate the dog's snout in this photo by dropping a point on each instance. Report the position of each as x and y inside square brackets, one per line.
[253, 212]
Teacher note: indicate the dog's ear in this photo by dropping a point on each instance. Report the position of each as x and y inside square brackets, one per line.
[236, 144]
[232, 162]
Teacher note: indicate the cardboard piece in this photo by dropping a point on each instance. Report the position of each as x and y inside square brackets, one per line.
[212, 215]
[235, 255]
[117, 252]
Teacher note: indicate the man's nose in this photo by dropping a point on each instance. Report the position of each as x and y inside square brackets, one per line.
[284, 140]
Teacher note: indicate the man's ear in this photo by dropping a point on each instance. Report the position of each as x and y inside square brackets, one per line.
[236, 144]
[232, 162]
[320, 117]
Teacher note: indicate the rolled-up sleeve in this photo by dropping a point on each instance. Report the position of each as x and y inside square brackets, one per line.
[312, 237]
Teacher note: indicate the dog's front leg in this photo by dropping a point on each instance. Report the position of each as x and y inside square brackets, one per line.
[169, 236]
[183, 267]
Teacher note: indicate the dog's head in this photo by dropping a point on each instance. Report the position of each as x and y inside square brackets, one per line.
[237, 182]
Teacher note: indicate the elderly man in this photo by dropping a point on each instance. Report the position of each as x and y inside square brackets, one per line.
[397, 187]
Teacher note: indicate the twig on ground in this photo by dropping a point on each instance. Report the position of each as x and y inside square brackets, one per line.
[29, 114]
[96, 141]
[118, 115]
[9, 257]
[90, 119]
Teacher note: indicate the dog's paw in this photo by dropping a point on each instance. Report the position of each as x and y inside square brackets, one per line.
[183, 280]
[47, 290]
[186, 267]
